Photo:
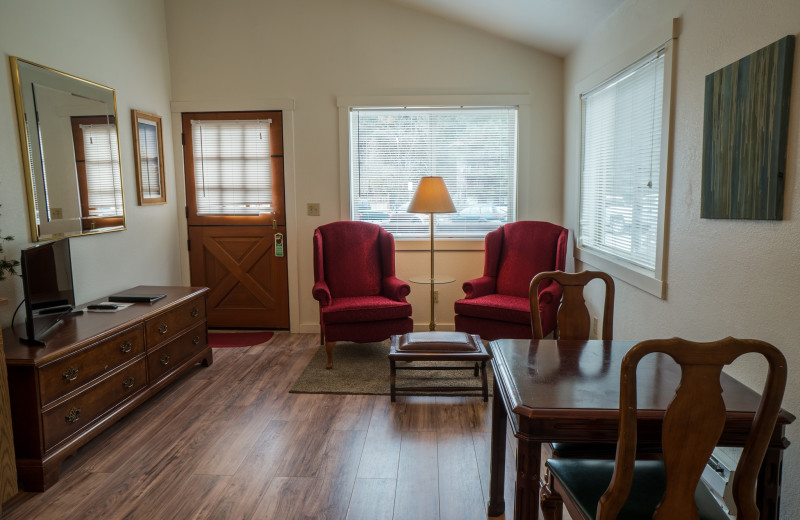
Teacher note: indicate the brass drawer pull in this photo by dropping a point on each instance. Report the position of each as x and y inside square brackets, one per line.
[195, 312]
[196, 340]
[125, 347]
[164, 360]
[162, 329]
[73, 416]
[127, 383]
[70, 374]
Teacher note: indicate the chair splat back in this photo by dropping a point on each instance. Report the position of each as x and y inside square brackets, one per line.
[693, 424]
[573, 319]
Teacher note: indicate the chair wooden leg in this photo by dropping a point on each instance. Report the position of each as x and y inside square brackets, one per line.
[392, 380]
[484, 382]
[329, 349]
[549, 500]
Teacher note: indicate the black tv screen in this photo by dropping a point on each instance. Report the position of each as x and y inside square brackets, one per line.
[48, 288]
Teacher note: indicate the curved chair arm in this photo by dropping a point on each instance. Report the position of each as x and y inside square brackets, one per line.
[395, 288]
[321, 293]
[480, 286]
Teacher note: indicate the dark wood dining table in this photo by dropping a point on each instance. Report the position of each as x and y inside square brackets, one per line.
[568, 391]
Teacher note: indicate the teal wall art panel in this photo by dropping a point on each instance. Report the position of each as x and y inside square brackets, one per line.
[746, 118]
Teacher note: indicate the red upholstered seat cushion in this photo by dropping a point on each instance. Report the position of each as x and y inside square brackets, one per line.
[500, 307]
[364, 308]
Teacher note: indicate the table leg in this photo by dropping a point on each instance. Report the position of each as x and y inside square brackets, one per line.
[768, 486]
[392, 380]
[526, 500]
[497, 467]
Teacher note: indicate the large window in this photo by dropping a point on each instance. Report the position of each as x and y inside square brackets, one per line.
[473, 148]
[623, 168]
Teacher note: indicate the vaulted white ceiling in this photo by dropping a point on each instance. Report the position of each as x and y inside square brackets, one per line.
[555, 26]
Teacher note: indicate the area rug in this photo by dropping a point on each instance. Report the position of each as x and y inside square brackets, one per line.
[237, 339]
[363, 368]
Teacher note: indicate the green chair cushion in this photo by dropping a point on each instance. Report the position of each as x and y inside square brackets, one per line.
[585, 481]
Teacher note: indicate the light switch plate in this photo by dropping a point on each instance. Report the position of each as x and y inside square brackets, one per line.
[313, 209]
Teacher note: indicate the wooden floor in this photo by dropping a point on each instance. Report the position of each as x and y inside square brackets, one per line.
[230, 442]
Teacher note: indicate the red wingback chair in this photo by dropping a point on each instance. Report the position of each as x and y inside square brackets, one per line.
[497, 304]
[360, 299]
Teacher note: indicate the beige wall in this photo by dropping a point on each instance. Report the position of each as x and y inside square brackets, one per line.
[123, 45]
[307, 53]
[736, 278]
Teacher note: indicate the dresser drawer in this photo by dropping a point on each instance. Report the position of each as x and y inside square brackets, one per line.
[167, 325]
[172, 355]
[71, 372]
[78, 412]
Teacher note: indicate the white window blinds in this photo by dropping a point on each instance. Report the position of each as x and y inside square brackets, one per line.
[621, 164]
[473, 148]
[232, 166]
[101, 154]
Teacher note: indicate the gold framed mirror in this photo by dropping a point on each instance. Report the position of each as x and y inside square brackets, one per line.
[70, 151]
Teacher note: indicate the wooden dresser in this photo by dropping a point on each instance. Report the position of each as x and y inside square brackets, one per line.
[8, 470]
[94, 369]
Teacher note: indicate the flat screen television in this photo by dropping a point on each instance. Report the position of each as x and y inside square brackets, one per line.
[48, 289]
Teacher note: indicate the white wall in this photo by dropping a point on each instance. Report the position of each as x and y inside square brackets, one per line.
[313, 51]
[737, 278]
[123, 45]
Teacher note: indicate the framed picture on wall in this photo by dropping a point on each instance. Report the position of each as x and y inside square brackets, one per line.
[745, 135]
[148, 150]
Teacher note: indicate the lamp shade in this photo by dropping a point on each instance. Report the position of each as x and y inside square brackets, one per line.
[431, 197]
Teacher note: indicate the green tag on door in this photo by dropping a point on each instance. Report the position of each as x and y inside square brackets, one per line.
[279, 245]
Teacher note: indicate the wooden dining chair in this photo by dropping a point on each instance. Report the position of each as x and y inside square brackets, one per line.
[572, 319]
[693, 422]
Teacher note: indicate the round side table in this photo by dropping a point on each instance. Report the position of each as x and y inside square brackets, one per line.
[432, 281]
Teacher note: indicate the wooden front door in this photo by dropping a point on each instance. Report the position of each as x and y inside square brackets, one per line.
[235, 211]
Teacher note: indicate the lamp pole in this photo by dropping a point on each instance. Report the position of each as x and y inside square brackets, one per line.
[433, 322]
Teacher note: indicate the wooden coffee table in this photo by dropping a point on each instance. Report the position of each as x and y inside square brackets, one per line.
[438, 346]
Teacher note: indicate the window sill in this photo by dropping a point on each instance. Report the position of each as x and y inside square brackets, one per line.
[632, 275]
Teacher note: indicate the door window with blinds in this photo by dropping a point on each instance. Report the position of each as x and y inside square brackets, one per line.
[473, 148]
[234, 167]
[232, 170]
[97, 166]
[623, 165]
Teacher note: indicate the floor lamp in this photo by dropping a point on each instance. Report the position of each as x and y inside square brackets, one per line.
[431, 197]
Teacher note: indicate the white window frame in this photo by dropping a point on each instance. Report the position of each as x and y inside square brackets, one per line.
[345, 103]
[649, 281]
